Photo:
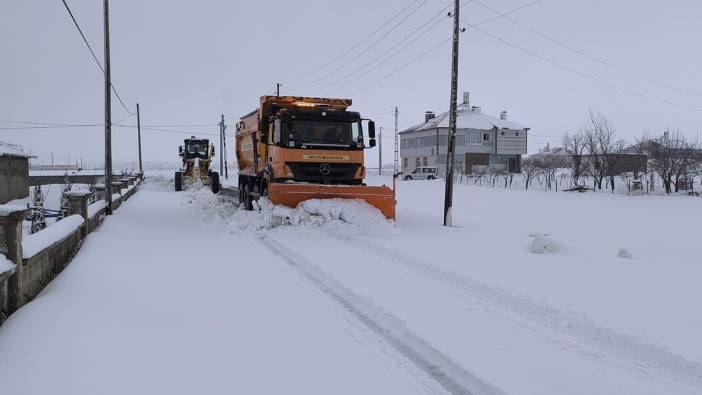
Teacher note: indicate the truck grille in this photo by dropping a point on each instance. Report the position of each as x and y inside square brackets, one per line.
[334, 173]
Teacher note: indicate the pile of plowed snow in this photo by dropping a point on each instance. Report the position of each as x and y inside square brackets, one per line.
[331, 215]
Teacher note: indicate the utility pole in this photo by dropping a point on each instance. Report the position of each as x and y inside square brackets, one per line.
[108, 113]
[451, 151]
[52, 159]
[141, 168]
[221, 143]
[277, 89]
[380, 152]
[396, 164]
[224, 151]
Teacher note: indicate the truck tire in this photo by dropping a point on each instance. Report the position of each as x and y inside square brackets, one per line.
[430, 177]
[408, 177]
[178, 181]
[214, 182]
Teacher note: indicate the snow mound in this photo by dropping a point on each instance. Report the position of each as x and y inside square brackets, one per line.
[624, 254]
[330, 215]
[542, 244]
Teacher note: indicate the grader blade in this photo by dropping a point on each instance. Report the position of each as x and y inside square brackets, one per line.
[289, 194]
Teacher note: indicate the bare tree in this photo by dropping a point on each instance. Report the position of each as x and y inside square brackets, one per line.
[575, 147]
[600, 141]
[672, 157]
[531, 168]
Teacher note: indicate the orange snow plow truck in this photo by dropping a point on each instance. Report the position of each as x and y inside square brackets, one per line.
[293, 149]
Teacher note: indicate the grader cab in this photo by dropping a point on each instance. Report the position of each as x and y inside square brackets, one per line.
[197, 155]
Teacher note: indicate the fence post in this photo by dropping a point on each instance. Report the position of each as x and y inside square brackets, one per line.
[78, 201]
[11, 218]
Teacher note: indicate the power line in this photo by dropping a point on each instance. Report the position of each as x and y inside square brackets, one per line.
[50, 127]
[168, 130]
[589, 56]
[341, 55]
[442, 43]
[376, 42]
[85, 40]
[439, 14]
[584, 75]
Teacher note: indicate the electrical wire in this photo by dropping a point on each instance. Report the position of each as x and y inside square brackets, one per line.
[341, 55]
[589, 56]
[85, 40]
[358, 56]
[439, 14]
[168, 130]
[585, 75]
[444, 42]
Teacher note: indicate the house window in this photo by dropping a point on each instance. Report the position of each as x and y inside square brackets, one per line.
[516, 134]
[503, 132]
[486, 137]
[424, 161]
[404, 162]
[472, 138]
[416, 162]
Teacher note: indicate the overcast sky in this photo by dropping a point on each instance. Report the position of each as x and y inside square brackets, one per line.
[188, 62]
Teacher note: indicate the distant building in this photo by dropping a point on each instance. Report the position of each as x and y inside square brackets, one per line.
[482, 141]
[626, 161]
[14, 172]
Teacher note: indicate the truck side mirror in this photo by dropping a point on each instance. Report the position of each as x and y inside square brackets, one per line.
[213, 149]
[371, 130]
[371, 143]
[180, 150]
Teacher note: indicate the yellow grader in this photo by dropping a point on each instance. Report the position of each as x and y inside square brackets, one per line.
[292, 149]
[197, 156]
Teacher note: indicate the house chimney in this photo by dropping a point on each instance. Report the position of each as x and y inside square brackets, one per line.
[503, 115]
[429, 115]
[475, 109]
[466, 98]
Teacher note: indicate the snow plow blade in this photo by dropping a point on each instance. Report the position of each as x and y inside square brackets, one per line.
[288, 194]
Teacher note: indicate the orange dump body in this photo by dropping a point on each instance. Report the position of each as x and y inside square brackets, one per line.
[292, 194]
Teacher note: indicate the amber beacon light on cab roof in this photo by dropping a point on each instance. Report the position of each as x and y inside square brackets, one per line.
[292, 149]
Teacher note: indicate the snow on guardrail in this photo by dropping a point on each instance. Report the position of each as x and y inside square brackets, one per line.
[96, 207]
[38, 242]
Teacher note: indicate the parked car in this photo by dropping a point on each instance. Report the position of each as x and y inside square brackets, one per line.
[423, 173]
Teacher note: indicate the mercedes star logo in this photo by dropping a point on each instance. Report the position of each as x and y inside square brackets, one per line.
[325, 169]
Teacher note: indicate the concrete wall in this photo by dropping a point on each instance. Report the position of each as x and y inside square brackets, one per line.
[34, 273]
[4, 296]
[14, 176]
[38, 271]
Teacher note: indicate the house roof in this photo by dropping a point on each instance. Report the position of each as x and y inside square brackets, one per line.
[467, 119]
[7, 149]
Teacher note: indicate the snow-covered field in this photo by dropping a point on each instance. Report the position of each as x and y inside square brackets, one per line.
[529, 292]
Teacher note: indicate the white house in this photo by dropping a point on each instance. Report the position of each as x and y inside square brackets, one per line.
[482, 141]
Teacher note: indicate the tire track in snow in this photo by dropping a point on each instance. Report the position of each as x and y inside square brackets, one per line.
[447, 373]
[608, 340]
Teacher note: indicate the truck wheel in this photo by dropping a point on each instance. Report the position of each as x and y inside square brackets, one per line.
[407, 178]
[214, 182]
[430, 177]
[178, 181]
[246, 197]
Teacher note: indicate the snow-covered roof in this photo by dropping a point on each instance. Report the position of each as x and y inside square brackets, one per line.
[467, 118]
[13, 150]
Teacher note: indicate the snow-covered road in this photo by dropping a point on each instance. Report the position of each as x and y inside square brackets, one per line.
[198, 297]
[156, 302]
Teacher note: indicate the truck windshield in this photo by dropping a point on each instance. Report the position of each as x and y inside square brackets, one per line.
[342, 134]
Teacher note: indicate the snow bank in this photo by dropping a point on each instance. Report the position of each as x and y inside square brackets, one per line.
[34, 244]
[7, 209]
[330, 215]
[95, 208]
[5, 264]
